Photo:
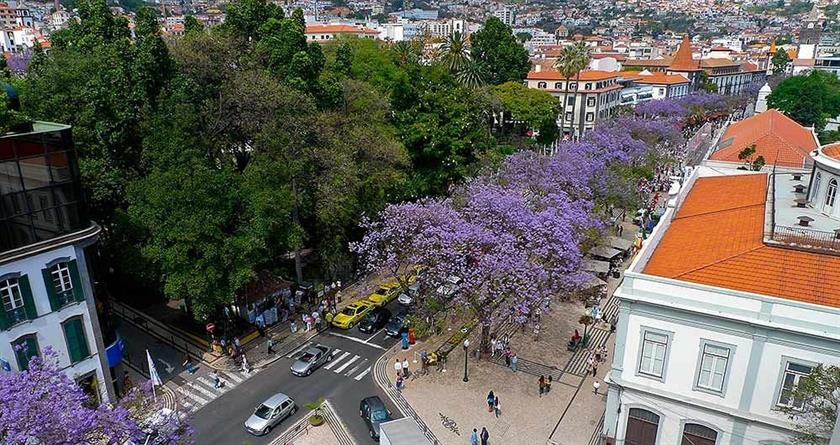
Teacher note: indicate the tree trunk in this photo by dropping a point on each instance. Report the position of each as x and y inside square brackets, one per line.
[296, 221]
[563, 113]
[484, 341]
[582, 106]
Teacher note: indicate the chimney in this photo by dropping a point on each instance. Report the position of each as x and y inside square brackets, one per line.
[801, 202]
[804, 220]
[799, 188]
[537, 68]
[797, 176]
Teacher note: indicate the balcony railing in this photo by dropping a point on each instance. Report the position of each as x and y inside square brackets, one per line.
[806, 238]
[16, 316]
[64, 298]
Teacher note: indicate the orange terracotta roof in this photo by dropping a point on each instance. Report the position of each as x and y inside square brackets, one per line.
[803, 62]
[717, 62]
[779, 139]
[721, 223]
[831, 150]
[749, 66]
[584, 75]
[683, 60]
[661, 62]
[660, 78]
[792, 53]
[338, 28]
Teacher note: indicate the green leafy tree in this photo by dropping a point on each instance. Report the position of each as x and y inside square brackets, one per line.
[810, 99]
[814, 410]
[192, 25]
[343, 63]
[529, 109]
[524, 36]
[751, 163]
[780, 61]
[501, 57]
[244, 18]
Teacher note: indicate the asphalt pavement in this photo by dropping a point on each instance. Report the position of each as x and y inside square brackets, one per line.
[345, 381]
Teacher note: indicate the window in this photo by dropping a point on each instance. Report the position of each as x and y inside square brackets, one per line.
[830, 193]
[587, 86]
[571, 101]
[816, 190]
[25, 348]
[642, 427]
[541, 85]
[590, 101]
[696, 434]
[793, 373]
[590, 116]
[713, 363]
[74, 334]
[61, 277]
[558, 85]
[568, 116]
[654, 347]
[10, 292]
[573, 85]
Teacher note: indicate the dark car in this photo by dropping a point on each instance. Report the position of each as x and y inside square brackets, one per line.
[397, 325]
[375, 320]
[373, 411]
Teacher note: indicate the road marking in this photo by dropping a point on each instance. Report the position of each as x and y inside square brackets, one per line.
[336, 360]
[295, 352]
[355, 368]
[233, 376]
[357, 340]
[205, 391]
[200, 400]
[335, 352]
[362, 375]
[211, 384]
[345, 365]
[374, 335]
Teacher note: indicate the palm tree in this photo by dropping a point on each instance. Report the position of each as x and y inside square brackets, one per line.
[470, 75]
[455, 52]
[571, 61]
[405, 52]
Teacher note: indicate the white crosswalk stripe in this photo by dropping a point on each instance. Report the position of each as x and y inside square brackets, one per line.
[336, 360]
[231, 377]
[363, 374]
[195, 399]
[346, 364]
[355, 368]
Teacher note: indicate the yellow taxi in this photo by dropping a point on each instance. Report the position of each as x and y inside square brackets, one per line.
[384, 294]
[352, 314]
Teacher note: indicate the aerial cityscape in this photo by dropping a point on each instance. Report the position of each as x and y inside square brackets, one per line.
[419, 222]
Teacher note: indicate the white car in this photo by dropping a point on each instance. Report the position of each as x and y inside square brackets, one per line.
[269, 413]
[407, 298]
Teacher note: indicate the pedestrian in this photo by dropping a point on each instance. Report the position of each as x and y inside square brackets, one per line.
[542, 385]
[405, 368]
[217, 382]
[548, 384]
[399, 382]
[485, 436]
[596, 385]
[491, 399]
[538, 315]
[598, 355]
[507, 356]
[246, 367]
[260, 329]
[188, 364]
[493, 342]
[398, 367]
[620, 230]
[474, 437]
[514, 362]
[497, 407]
[270, 344]
[500, 347]
[236, 342]
[590, 361]
[536, 332]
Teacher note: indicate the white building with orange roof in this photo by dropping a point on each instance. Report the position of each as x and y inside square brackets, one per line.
[324, 33]
[734, 297]
[585, 99]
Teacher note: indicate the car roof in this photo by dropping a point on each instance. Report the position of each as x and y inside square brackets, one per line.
[313, 350]
[275, 400]
[374, 402]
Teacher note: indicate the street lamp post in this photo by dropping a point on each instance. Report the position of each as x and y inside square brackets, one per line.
[466, 356]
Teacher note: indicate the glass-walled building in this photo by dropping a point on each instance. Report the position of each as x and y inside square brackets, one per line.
[40, 188]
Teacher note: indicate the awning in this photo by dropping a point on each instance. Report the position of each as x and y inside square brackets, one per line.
[596, 266]
[619, 243]
[603, 252]
[593, 283]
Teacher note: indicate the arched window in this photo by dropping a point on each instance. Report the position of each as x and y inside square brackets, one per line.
[830, 194]
[558, 85]
[696, 434]
[816, 190]
[642, 427]
[541, 85]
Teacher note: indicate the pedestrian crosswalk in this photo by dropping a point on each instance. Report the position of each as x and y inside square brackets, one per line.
[348, 365]
[200, 390]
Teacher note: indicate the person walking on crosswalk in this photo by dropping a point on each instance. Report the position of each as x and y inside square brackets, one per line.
[217, 382]
[270, 344]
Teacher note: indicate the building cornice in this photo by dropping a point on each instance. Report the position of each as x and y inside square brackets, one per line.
[35, 248]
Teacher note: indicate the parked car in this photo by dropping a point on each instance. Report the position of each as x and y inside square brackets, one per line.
[310, 359]
[375, 320]
[352, 314]
[269, 413]
[407, 298]
[396, 325]
[373, 411]
[384, 294]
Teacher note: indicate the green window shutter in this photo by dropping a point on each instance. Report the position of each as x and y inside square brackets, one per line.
[29, 350]
[76, 280]
[4, 320]
[28, 301]
[48, 283]
[74, 331]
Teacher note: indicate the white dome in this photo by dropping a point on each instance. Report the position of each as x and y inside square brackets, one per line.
[766, 89]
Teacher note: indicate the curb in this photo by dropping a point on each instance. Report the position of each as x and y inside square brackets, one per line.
[301, 427]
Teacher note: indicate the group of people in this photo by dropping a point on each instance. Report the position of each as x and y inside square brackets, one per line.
[545, 384]
[596, 358]
[475, 436]
[403, 372]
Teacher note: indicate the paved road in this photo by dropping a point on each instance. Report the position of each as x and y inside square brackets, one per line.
[344, 381]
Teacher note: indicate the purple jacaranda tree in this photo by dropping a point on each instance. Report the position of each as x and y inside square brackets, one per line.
[43, 405]
[513, 239]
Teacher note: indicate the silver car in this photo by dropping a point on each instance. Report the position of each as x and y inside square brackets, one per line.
[270, 413]
[310, 359]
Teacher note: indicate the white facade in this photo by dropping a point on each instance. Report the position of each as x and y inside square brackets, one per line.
[506, 15]
[67, 323]
[589, 100]
[710, 360]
